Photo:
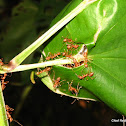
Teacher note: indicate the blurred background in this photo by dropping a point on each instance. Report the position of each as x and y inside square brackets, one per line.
[21, 23]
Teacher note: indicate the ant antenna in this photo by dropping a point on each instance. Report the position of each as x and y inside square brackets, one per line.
[18, 122]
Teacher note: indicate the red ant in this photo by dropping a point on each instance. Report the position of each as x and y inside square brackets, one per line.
[57, 82]
[45, 70]
[74, 90]
[69, 47]
[3, 78]
[48, 58]
[3, 82]
[70, 56]
[8, 112]
[90, 74]
[76, 63]
[75, 46]
[67, 40]
[85, 59]
[9, 116]
[3, 86]
[82, 77]
[8, 108]
[74, 60]
[65, 53]
[53, 56]
[1, 62]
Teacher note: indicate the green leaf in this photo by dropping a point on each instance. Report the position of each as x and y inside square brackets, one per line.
[53, 47]
[101, 26]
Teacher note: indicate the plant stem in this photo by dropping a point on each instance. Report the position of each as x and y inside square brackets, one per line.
[40, 65]
[3, 116]
[25, 53]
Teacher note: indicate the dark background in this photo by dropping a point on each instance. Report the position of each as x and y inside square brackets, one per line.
[22, 22]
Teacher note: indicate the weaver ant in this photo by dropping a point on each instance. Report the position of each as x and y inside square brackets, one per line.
[85, 59]
[3, 86]
[82, 77]
[8, 108]
[53, 56]
[85, 75]
[76, 63]
[67, 40]
[57, 81]
[1, 62]
[74, 60]
[69, 47]
[74, 90]
[8, 112]
[45, 70]
[48, 58]
[90, 74]
[70, 56]
[3, 77]
[3, 82]
[74, 46]
[66, 54]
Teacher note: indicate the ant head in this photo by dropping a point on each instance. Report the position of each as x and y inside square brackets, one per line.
[47, 58]
[65, 40]
[63, 53]
[91, 74]
[68, 47]
[58, 53]
[49, 68]
[58, 79]
[86, 65]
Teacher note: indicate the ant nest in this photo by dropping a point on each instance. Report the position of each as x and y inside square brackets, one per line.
[79, 59]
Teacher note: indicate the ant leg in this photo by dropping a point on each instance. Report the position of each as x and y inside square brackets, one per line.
[70, 83]
[78, 88]
[73, 101]
[61, 82]
[53, 76]
[38, 71]
[18, 122]
[49, 71]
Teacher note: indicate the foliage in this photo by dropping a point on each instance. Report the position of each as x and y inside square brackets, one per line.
[101, 26]
[97, 27]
